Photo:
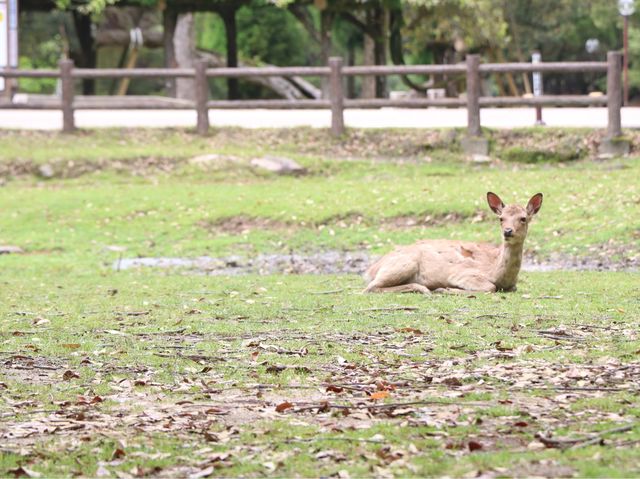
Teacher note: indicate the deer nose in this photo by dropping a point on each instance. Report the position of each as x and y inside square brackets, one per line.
[508, 232]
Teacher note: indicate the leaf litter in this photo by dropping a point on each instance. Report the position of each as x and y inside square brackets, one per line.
[413, 390]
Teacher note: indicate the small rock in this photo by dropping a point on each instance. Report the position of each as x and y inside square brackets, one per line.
[7, 249]
[278, 165]
[46, 171]
[480, 159]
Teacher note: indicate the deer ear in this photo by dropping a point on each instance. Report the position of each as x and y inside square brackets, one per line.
[534, 204]
[495, 203]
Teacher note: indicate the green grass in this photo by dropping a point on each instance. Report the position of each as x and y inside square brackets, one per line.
[151, 372]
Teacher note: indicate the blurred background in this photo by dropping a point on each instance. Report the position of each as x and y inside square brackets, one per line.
[174, 33]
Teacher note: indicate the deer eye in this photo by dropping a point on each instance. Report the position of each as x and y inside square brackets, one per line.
[501, 220]
[523, 220]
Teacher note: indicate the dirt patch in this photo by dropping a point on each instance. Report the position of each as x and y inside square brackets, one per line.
[236, 225]
[74, 169]
[330, 262]
[31, 369]
[386, 145]
[603, 257]
[352, 262]
[245, 224]
[428, 220]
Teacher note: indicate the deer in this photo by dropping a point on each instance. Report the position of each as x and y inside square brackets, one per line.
[457, 267]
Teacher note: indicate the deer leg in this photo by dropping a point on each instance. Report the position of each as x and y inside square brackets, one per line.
[472, 282]
[398, 274]
[403, 288]
[452, 291]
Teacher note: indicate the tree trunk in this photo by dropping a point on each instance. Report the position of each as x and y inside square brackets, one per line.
[169, 22]
[380, 49]
[351, 80]
[369, 50]
[326, 21]
[184, 46]
[294, 88]
[229, 18]
[87, 57]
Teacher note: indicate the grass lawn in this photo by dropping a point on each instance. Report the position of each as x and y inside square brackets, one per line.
[167, 373]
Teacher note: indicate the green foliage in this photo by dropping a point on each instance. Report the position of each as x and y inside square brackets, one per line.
[523, 155]
[34, 85]
[40, 47]
[270, 35]
[265, 35]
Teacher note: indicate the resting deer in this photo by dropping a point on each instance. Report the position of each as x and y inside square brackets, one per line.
[456, 266]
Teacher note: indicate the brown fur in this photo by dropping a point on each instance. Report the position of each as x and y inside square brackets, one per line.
[456, 266]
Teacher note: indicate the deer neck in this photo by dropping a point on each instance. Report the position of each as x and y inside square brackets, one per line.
[508, 265]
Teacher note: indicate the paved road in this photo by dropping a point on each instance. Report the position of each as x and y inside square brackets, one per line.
[383, 118]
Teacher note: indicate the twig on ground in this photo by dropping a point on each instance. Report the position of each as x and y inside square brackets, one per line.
[576, 443]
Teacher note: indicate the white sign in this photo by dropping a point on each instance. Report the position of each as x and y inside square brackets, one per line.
[13, 33]
[4, 39]
[537, 76]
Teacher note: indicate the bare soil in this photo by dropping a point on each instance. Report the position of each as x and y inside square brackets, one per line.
[353, 262]
[244, 224]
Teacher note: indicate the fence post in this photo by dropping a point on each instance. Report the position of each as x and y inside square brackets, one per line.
[614, 144]
[614, 94]
[67, 91]
[337, 96]
[473, 95]
[474, 144]
[202, 97]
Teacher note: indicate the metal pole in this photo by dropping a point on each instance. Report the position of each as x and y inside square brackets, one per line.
[5, 84]
[537, 87]
[626, 59]
[67, 83]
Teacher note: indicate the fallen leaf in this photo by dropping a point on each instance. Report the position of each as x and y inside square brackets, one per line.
[334, 389]
[452, 381]
[379, 395]
[202, 473]
[283, 406]
[68, 375]
[22, 471]
[474, 446]
[118, 453]
[415, 331]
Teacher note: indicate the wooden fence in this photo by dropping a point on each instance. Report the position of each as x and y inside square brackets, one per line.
[336, 72]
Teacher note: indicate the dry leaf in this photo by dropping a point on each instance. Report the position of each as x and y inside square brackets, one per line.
[69, 375]
[474, 446]
[283, 406]
[379, 395]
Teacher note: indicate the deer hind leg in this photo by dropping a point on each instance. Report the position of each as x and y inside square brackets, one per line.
[398, 274]
[471, 282]
[403, 288]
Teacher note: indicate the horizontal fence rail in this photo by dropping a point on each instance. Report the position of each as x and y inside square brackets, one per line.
[335, 72]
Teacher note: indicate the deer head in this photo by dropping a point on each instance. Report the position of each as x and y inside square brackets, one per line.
[514, 219]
